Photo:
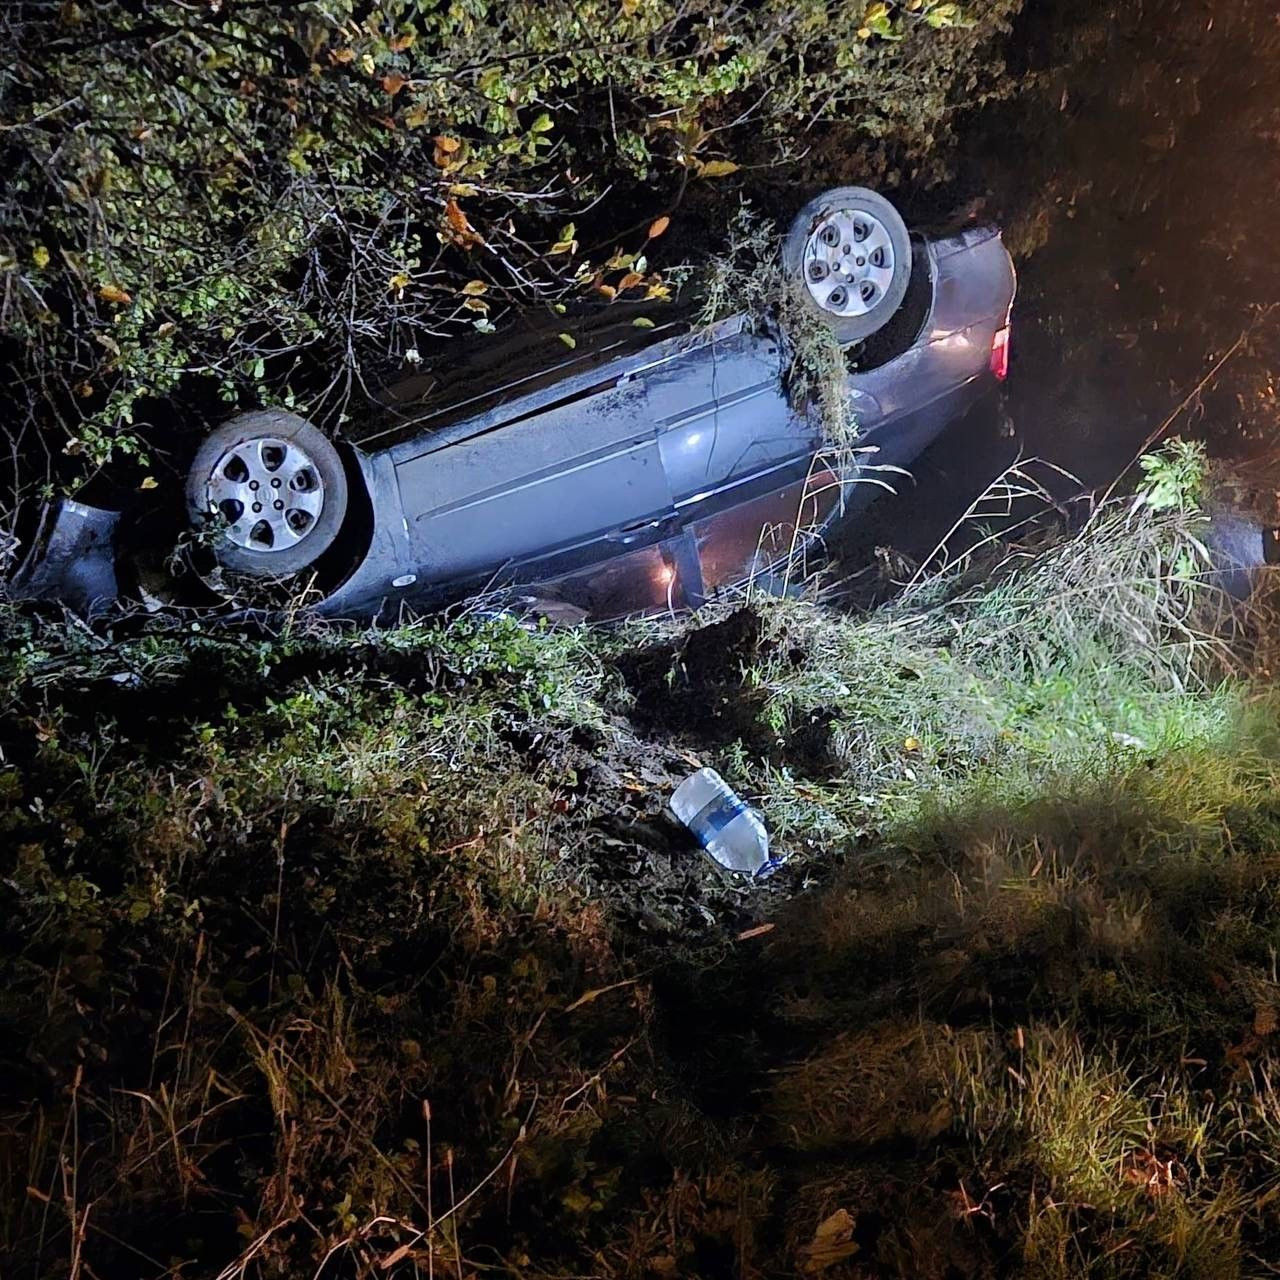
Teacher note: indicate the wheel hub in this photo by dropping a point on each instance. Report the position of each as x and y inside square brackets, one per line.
[848, 262]
[269, 492]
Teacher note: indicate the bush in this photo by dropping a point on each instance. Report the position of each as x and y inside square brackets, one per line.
[286, 200]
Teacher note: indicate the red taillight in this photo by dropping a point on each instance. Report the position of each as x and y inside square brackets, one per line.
[1000, 353]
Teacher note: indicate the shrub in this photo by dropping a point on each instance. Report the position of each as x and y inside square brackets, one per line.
[286, 200]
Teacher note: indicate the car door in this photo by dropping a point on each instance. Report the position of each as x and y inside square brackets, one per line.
[740, 460]
[723, 419]
[582, 476]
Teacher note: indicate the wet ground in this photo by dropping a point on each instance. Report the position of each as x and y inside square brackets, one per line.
[1136, 175]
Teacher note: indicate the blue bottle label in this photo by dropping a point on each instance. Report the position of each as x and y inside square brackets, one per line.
[715, 815]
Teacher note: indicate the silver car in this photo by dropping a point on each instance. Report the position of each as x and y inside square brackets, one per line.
[648, 469]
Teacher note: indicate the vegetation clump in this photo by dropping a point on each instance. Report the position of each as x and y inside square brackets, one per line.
[282, 203]
[371, 953]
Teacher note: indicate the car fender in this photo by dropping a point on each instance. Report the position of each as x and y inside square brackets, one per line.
[71, 558]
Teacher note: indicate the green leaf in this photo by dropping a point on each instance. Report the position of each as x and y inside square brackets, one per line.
[568, 339]
[944, 15]
[542, 124]
[642, 322]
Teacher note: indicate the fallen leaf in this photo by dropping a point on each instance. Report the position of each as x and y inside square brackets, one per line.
[716, 168]
[40, 256]
[607, 290]
[568, 339]
[642, 322]
[629, 281]
[1265, 1020]
[393, 82]
[113, 293]
[398, 281]
[398, 44]
[832, 1243]
[474, 288]
[447, 153]
[464, 234]
[150, 482]
[658, 226]
[911, 744]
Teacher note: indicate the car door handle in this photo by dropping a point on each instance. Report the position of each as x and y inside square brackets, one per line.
[637, 528]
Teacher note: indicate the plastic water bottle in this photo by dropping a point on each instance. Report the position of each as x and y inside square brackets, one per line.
[725, 826]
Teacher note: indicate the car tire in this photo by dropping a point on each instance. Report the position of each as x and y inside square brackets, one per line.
[258, 456]
[855, 293]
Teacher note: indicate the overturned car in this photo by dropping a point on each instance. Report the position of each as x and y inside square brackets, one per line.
[647, 469]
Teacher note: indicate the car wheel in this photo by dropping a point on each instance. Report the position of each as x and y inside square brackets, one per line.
[277, 488]
[848, 258]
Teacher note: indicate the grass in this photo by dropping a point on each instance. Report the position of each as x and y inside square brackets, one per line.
[746, 277]
[345, 953]
[1046, 659]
